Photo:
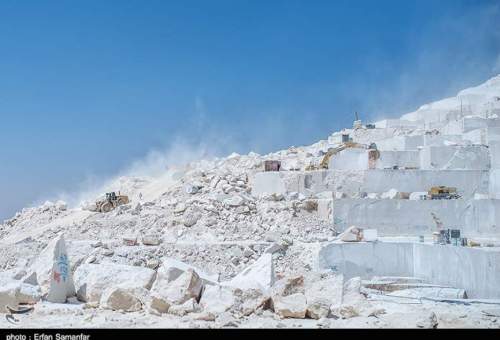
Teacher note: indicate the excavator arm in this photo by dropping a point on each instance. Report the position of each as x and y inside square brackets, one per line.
[332, 152]
[326, 158]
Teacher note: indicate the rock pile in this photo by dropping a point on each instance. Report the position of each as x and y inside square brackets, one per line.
[201, 242]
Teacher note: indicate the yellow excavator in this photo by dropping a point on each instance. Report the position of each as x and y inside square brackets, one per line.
[333, 151]
[443, 193]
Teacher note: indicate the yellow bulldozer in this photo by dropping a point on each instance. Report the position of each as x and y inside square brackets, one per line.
[333, 151]
[443, 193]
[111, 201]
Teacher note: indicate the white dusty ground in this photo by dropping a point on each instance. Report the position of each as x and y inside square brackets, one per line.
[248, 256]
[395, 316]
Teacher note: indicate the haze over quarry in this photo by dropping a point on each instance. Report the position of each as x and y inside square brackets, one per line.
[87, 87]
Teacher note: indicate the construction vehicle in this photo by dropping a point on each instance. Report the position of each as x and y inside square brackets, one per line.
[333, 151]
[111, 201]
[443, 193]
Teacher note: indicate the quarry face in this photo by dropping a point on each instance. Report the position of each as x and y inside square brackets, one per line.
[394, 223]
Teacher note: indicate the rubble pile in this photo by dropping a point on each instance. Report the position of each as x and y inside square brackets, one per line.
[224, 243]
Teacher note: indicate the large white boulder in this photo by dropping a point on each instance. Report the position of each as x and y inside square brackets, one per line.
[158, 304]
[259, 275]
[61, 284]
[318, 308]
[353, 302]
[15, 292]
[92, 279]
[8, 296]
[288, 286]
[352, 291]
[166, 293]
[323, 291]
[29, 294]
[217, 299]
[118, 298]
[290, 306]
[285, 307]
[171, 269]
[250, 300]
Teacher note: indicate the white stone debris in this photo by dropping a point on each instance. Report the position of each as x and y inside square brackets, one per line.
[217, 299]
[260, 275]
[340, 236]
[150, 240]
[427, 321]
[15, 292]
[130, 240]
[322, 291]
[291, 306]
[391, 194]
[318, 308]
[171, 269]
[190, 306]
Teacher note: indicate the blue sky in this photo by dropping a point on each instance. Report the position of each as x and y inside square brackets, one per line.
[86, 87]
